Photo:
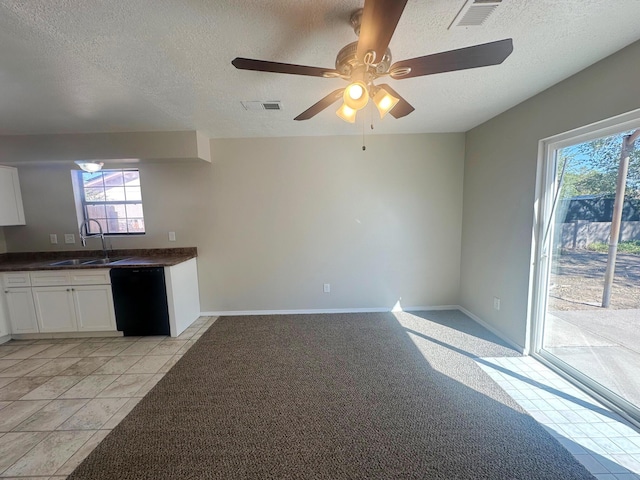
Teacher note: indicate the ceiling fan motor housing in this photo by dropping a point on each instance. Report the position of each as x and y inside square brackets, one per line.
[347, 61]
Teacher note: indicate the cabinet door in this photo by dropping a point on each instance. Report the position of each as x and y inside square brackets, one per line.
[11, 210]
[4, 319]
[54, 309]
[94, 308]
[20, 307]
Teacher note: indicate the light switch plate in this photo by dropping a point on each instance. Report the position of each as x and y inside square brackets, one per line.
[496, 303]
[69, 238]
[172, 236]
[53, 238]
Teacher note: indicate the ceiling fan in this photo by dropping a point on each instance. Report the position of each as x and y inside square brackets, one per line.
[365, 61]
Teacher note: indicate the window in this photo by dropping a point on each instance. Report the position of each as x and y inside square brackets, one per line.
[113, 198]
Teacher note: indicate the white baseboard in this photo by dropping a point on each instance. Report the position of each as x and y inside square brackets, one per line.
[232, 313]
[49, 336]
[433, 307]
[493, 330]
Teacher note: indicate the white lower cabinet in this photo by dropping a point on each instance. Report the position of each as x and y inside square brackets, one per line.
[55, 310]
[60, 301]
[21, 311]
[94, 308]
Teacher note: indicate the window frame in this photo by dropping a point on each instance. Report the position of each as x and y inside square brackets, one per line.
[542, 253]
[84, 203]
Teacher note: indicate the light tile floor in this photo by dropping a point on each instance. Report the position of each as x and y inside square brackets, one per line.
[60, 397]
[601, 440]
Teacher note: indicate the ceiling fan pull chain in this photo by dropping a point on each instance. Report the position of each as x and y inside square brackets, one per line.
[364, 147]
[371, 111]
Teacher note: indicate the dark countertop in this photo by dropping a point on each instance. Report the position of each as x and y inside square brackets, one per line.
[153, 257]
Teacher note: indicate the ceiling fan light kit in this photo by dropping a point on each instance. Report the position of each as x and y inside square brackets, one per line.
[384, 101]
[347, 114]
[363, 62]
[88, 166]
[356, 96]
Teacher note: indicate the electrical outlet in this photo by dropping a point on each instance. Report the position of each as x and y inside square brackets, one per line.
[69, 238]
[53, 238]
[326, 288]
[172, 236]
[496, 303]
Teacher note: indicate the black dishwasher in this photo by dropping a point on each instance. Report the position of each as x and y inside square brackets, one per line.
[140, 300]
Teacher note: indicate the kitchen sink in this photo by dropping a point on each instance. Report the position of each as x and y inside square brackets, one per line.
[67, 262]
[98, 261]
[71, 262]
[118, 260]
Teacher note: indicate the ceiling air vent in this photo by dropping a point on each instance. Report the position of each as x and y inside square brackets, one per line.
[256, 106]
[474, 13]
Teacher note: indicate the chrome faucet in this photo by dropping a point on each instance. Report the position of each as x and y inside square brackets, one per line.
[83, 237]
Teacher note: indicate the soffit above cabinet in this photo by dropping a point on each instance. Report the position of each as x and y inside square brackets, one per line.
[123, 147]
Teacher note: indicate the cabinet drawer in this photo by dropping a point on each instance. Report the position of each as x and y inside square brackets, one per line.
[48, 278]
[16, 279]
[90, 277]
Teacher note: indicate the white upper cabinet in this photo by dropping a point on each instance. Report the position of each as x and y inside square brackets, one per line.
[11, 209]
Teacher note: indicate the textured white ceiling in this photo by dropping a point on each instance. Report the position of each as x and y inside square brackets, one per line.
[139, 65]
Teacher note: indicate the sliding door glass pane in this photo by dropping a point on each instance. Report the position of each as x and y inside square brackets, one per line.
[602, 342]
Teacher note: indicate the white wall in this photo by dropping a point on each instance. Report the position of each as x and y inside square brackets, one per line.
[274, 219]
[291, 214]
[500, 179]
[3, 243]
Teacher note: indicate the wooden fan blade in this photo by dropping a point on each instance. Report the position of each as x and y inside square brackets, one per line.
[379, 21]
[483, 55]
[316, 108]
[402, 108]
[275, 67]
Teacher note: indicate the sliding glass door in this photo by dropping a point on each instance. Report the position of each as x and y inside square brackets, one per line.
[587, 295]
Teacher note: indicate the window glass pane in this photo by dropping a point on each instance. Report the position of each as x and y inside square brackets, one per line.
[94, 194]
[92, 179]
[93, 228]
[117, 226]
[112, 225]
[113, 179]
[115, 194]
[96, 211]
[131, 178]
[136, 225]
[116, 211]
[134, 210]
[133, 193]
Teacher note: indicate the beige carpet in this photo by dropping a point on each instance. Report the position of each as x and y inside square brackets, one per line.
[375, 396]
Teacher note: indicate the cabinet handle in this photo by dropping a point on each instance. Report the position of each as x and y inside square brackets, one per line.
[6, 291]
[68, 289]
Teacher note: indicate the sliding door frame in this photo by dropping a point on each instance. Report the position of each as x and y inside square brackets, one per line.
[542, 251]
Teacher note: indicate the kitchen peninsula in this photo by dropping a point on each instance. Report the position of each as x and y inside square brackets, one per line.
[55, 294]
